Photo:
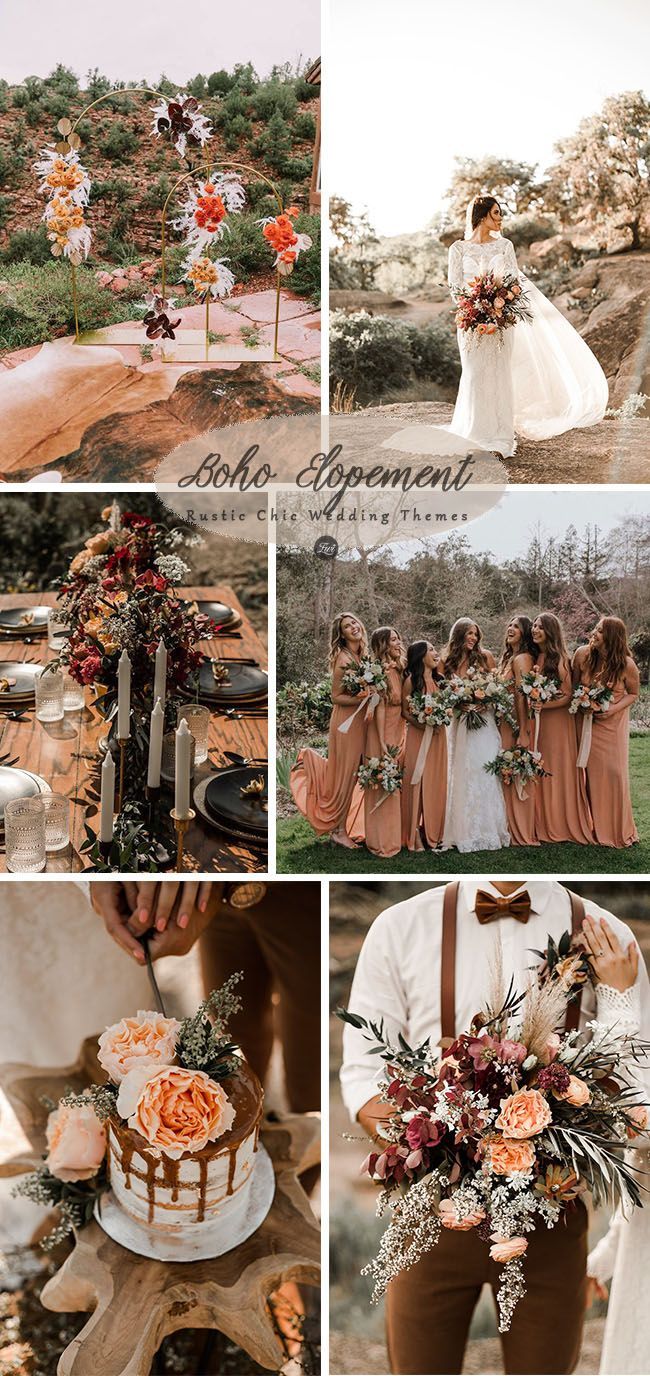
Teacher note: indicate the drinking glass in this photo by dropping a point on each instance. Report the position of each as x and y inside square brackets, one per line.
[73, 694]
[49, 695]
[168, 760]
[25, 835]
[198, 720]
[58, 630]
[57, 821]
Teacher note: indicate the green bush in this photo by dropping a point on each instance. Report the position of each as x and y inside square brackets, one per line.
[305, 278]
[33, 113]
[27, 246]
[63, 80]
[236, 103]
[272, 96]
[113, 189]
[304, 704]
[369, 354]
[276, 142]
[56, 104]
[119, 144]
[235, 131]
[156, 194]
[5, 207]
[304, 126]
[304, 90]
[220, 83]
[434, 352]
[298, 168]
[245, 248]
[19, 98]
[36, 304]
[4, 97]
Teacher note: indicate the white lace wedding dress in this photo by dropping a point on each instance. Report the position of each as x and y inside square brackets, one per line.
[476, 814]
[539, 380]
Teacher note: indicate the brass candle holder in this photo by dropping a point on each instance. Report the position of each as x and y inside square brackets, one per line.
[120, 792]
[181, 825]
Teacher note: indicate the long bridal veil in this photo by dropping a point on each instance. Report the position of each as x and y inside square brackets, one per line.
[558, 384]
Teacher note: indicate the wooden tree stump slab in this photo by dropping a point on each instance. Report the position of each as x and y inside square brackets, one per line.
[135, 1302]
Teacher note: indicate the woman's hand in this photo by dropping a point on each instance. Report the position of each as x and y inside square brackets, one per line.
[375, 1112]
[111, 900]
[176, 940]
[595, 1291]
[611, 962]
[155, 904]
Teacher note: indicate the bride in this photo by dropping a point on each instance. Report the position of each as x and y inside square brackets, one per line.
[476, 814]
[536, 379]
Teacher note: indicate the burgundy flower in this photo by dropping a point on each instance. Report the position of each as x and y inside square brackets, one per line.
[90, 668]
[134, 521]
[151, 580]
[554, 1077]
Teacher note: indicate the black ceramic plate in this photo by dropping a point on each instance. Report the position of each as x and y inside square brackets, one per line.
[24, 675]
[224, 800]
[12, 619]
[244, 681]
[221, 613]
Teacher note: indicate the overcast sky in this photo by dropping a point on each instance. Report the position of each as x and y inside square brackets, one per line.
[140, 39]
[505, 531]
[417, 82]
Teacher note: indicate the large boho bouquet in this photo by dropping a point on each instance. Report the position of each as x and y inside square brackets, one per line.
[503, 1132]
[382, 772]
[164, 1081]
[537, 689]
[490, 305]
[594, 698]
[120, 595]
[368, 676]
[518, 766]
[430, 709]
[471, 697]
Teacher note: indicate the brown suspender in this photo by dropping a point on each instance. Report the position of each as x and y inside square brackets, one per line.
[448, 963]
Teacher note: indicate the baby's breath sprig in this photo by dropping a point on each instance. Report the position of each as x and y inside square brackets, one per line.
[203, 1041]
[101, 1098]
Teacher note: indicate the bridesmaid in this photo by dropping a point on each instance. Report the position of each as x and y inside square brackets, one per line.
[324, 788]
[517, 658]
[464, 650]
[606, 660]
[423, 804]
[383, 827]
[561, 806]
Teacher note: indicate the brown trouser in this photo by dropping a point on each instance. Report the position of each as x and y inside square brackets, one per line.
[429, 1308]
[277, 945]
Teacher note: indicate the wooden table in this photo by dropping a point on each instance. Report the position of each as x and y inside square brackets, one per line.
[135, 1302]
[65, 753]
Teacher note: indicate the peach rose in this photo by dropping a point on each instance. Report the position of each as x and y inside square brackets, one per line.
[174, 1109]
[506, 1156]
[523, 1114]
[449, 1218]
[76, 1142]
[577, 1094]
[149, 1040]
[551, 1049]
[507, 1248]
[98, 544]
[80, 560]
[639, 1115]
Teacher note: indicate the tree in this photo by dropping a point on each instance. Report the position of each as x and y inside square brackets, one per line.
[513, 184]
[354, 238]
[96, 84]
[276, 141]
[604, 168]
[219, 83]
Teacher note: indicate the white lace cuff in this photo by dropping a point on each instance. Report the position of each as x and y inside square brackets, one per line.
[621, 1009]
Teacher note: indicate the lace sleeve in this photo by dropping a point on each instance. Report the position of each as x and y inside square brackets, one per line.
[511, 258]
[455, 269]
[620, 1010]
[602, 1259]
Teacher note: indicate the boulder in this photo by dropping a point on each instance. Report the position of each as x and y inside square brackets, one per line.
[550, 253]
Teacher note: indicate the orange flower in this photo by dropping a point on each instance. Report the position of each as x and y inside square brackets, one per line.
[76, 1142]
[210, 211]
[577, 1094]
[146, 1040]
[506, 1156]
[450, 1220]
[524, 1114]
[174, 1109]
[507, 1248]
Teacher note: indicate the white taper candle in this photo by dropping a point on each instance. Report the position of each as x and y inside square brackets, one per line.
[157, 726]
[124, 697]
[183, 769]
[107, 798]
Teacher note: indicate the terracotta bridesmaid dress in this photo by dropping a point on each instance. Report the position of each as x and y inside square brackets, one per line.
[424, 805]
[561, 805]
[325, 790]
[383, 828]
[520, 813]
[608, 779]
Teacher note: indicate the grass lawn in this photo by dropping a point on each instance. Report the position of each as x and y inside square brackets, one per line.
[300, 851]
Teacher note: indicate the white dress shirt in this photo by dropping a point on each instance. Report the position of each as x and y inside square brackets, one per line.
[398, 973]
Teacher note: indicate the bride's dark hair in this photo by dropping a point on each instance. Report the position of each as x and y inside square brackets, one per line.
[415, 664]
[482, 207]
[454, 652]
[527, 645]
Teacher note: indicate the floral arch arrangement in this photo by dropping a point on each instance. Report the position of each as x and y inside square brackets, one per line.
[218, 194]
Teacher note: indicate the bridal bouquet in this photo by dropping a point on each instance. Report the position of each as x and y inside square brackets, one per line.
[472, 696]
[430, 709]
[538, 688]
[491, 305]
[163, 1081]
[384, 772]
[595, 698]
[501, 1133]
[368, 677]
[518, 766]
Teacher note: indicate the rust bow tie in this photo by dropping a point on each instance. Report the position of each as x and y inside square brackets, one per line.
[489, 907]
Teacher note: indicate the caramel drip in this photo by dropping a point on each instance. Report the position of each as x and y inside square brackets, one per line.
[127, 1157]
[151, 1185]
[203, 1184]
[170, 1176]
[257, 1135]
[232, 1163]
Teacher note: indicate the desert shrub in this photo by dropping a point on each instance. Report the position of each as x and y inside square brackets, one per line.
[19, 97]
[220, 83]
[305, 278]
[156, 194]
[525, 230]
[63, 80]
[197, 86]
[96, 84]
[246, 250]
[272, 96]
[33, 113]
[4, 97]
[304, 705]
[56, 104]
[36, 303]
[121, 104]
[119, 144]
[34, 87]
[304, 91]
[5, 207]
[245, 77]
[27, 246]
[369, 353]
[258, 198]
[434, 352]
[113, 189]
[304, 125]
[236, 130]
[276, 142]
[236, 103]
[298, 168]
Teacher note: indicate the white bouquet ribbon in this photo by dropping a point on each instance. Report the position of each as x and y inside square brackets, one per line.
[425, 746]
[369, 703]
[536, 741]
[521, 786]
[585, 740]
